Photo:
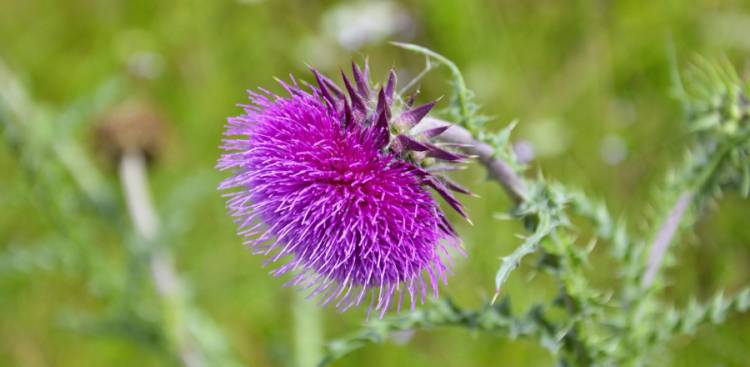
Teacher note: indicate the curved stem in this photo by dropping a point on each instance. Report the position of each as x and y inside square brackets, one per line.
[664, 238]
[668, 230]
[498, 169]
[462, 93]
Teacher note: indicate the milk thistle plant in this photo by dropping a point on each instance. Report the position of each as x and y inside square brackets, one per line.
[338, 182]
[339, 186]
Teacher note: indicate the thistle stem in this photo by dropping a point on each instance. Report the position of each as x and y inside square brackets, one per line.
[664, 238]
[134, 180]
[308, 335]
[669, 228]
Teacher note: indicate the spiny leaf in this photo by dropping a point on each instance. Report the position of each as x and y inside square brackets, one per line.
[529, 246]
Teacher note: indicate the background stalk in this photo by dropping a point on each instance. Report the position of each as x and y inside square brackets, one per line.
[134, 179]
[308, 331]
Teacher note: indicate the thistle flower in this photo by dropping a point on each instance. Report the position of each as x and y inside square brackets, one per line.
[339, 184]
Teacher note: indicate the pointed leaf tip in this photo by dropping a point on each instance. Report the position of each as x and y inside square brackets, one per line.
[445, 193]
[431, 133]
[358, 105]
[415, 115]
[326, 87]
[383, 107]
[408, 143]
[390, 85]
[454, 186]
[361, 79]
[380, 129]
[440, 153]
[347, 114]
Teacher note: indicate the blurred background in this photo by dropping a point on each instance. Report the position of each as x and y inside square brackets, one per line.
[588, 80]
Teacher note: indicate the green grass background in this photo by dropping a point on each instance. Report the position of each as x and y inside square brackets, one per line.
[572, 72]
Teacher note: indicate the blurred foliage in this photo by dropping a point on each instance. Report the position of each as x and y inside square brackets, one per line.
[574, 73]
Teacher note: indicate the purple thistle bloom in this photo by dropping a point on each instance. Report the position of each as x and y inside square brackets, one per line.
[319, 178]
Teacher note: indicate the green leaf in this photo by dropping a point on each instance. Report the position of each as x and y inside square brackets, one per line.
[529, 246]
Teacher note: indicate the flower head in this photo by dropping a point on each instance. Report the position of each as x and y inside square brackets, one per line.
[339, 184]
